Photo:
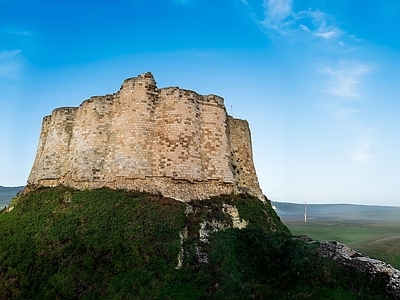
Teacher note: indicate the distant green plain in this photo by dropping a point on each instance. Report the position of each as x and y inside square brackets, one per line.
[377, 239]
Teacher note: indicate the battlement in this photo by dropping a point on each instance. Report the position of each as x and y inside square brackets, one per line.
[170, 141]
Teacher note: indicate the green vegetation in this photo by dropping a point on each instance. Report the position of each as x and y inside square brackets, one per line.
[255, 265]
[377, 240]
[59, 243]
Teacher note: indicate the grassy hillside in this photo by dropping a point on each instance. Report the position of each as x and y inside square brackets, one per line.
[58, 243]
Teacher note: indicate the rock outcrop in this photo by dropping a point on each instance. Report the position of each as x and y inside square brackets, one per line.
[169, 141]
[348, 257]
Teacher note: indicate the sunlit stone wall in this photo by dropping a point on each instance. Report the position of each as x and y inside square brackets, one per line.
[169, 141]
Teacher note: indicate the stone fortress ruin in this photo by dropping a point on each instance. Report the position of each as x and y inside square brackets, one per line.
[169, 141]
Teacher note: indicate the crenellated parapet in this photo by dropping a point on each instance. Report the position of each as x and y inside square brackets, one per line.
[169, 141]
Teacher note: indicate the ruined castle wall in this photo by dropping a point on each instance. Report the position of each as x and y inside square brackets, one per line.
[214, 143]
[191, 142]
[169, 141]
[53, 149]
[36, 171]
[242, 157]
[133, 124]
[177, 135]
[90, 146]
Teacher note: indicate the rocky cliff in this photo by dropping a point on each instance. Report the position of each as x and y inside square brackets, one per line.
[169, 141]
[348, 257]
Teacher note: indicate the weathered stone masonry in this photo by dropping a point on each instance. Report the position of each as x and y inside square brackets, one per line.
[169, 141]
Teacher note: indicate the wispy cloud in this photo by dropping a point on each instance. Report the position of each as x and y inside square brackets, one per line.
[323, 25]
[278, 15]
[10, 64]
[361, 156]
[362, 152]
[12, 61]
[280, 20]
[358, 138]
[345, 79]
[342, 78]
[14, 31]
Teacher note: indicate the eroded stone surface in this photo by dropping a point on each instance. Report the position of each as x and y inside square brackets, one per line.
[208, 227]
[233, 212]
[183, 235]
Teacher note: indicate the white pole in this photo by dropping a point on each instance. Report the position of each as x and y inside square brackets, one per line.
[305, 212]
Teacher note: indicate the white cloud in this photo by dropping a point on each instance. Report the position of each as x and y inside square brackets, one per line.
[10, 63]
[356, 136]
[328, 34]
[278, 10]
[324, 25]
[278, 16]
[305, 28]
[345, 80]
[362, 151]
[13, 31]
[361, 157]
[312, 25]
[9, 54]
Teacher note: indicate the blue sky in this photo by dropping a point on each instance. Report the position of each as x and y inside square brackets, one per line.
[319, 81]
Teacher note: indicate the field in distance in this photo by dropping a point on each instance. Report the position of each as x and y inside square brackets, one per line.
[7, 193]
[372, 230]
